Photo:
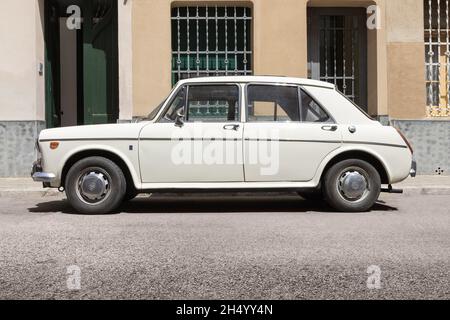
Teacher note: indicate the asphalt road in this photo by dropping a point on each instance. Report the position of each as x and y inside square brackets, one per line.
[268, 247]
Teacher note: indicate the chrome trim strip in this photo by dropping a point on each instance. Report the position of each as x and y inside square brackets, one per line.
[289, 140]
[224, 139]
[89, 139]
[190, 139]
[377, 144]
[333, 141]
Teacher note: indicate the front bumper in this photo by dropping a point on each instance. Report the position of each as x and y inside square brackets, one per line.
[39, 176]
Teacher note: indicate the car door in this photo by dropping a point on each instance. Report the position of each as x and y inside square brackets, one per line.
[198, 138]
[287, 134]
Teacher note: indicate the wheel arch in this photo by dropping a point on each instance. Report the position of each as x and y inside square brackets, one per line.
[99, 152]
[359, 154]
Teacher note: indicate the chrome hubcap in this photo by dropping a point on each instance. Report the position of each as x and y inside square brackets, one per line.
[93, 186]
[353, 185]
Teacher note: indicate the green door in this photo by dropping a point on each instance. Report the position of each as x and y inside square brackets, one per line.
[97, 56]
[100, 65]
[52, 70]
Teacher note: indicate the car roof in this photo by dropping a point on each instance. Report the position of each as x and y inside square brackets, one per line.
[260, 79]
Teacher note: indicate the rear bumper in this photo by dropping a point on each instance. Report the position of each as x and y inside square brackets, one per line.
[413, 171]
[39, 176]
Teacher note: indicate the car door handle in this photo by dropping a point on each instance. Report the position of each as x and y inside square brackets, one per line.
[329, 128]
[231, 127]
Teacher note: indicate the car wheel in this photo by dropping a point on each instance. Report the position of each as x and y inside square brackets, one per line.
[352, 186]
[95, 185]
[130, 195]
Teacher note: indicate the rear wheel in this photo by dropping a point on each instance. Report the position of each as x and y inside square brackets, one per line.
[95, 185]
[352, 186]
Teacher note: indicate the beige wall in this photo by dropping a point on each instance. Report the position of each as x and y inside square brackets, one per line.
[395, 71]
[21, 34]
[125, 35]
[280, 38]
[406, 61]
[151, 54]
[279, 46]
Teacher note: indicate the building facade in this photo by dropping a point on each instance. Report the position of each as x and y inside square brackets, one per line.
[76, 62]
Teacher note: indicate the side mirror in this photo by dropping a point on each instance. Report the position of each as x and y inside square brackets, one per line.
[179, 119]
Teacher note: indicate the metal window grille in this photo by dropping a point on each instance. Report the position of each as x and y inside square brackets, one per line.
[211, 41]
[437, 57]
[337, 50]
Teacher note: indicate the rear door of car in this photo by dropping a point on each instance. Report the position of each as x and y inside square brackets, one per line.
[287, 133]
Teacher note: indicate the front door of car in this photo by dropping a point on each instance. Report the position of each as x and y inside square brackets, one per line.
[287, 134]
[198, 138]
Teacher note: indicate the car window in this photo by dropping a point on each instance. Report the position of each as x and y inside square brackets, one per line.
[176, 107]
[272, 103]
[311, 111]
[213, 103]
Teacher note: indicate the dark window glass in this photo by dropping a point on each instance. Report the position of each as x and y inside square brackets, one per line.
[213, 103]
[176, 107]
[311, 111]
[272, 103]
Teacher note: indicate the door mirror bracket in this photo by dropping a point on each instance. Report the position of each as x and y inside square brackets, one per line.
[179, 119]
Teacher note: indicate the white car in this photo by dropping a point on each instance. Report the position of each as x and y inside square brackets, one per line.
[230, 134]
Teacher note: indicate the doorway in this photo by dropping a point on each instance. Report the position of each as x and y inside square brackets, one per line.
[337, 50]
[81, 63]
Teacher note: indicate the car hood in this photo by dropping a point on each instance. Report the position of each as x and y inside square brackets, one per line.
[101, 131]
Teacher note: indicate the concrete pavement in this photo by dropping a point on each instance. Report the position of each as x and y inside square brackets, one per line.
[267, 247]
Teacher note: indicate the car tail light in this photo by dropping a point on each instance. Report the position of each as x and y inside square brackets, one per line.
[406, 140]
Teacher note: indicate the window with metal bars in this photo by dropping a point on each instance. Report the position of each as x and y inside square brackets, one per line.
[337, 50]
[211, 41]
[437, 57]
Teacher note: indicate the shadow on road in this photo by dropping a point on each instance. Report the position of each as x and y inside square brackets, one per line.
[192, 203]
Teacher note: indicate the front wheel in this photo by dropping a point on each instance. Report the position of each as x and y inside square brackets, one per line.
[130, 195]
[352, 186]
[95, 185]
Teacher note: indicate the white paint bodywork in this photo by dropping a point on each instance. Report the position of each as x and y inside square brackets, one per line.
[305, 149]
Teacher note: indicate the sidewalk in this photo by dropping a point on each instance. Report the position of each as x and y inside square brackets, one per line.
[433, 185]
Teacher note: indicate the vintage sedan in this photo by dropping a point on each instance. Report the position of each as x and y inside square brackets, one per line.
[230, 134]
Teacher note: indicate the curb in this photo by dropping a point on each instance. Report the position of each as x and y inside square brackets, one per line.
[25, 193]
[432, 190]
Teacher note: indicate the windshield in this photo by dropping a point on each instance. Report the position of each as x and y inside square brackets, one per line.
[153, 114]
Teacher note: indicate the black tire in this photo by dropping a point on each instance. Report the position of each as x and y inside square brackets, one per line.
[337, 197]
[104, 170]
[130, 195]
